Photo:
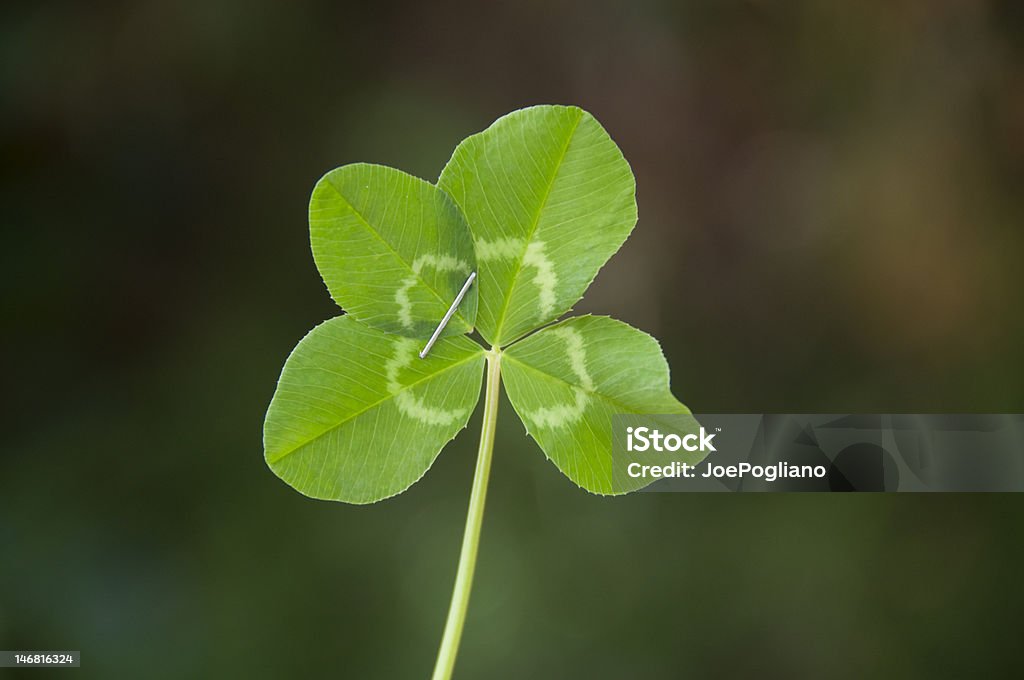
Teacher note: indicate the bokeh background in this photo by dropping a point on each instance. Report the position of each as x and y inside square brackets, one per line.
[830, 220]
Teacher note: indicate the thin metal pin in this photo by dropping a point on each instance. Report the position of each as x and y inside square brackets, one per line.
[448, 315]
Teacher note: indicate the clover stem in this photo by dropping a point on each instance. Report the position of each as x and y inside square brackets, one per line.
[474, 519]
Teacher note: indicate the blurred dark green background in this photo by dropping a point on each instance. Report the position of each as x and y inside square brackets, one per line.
[830, 220]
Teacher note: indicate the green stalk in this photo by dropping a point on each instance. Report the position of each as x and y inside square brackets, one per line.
[474, 519]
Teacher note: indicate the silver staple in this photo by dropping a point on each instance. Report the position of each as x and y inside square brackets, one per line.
[448, 315]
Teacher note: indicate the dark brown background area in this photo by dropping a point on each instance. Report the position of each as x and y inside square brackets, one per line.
[830, 220]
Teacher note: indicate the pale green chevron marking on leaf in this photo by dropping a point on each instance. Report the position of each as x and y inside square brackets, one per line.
[501, 249]
[577, 355]
[393, 249]
[545, 279]
[561, 415]
[356, 419]
[533, 256]
[617, 369]
[442, 263]
[405, 353]
[549, 198]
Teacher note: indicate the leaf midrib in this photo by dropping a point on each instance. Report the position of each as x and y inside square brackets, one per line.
[390, 395]
[533, 228]
[373, 230]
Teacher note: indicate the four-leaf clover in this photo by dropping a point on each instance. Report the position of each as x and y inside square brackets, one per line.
[536, 204]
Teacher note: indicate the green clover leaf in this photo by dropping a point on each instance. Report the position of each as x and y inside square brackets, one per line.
[393, 250]
[358, 416]
[549, 198]
[568, 380]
